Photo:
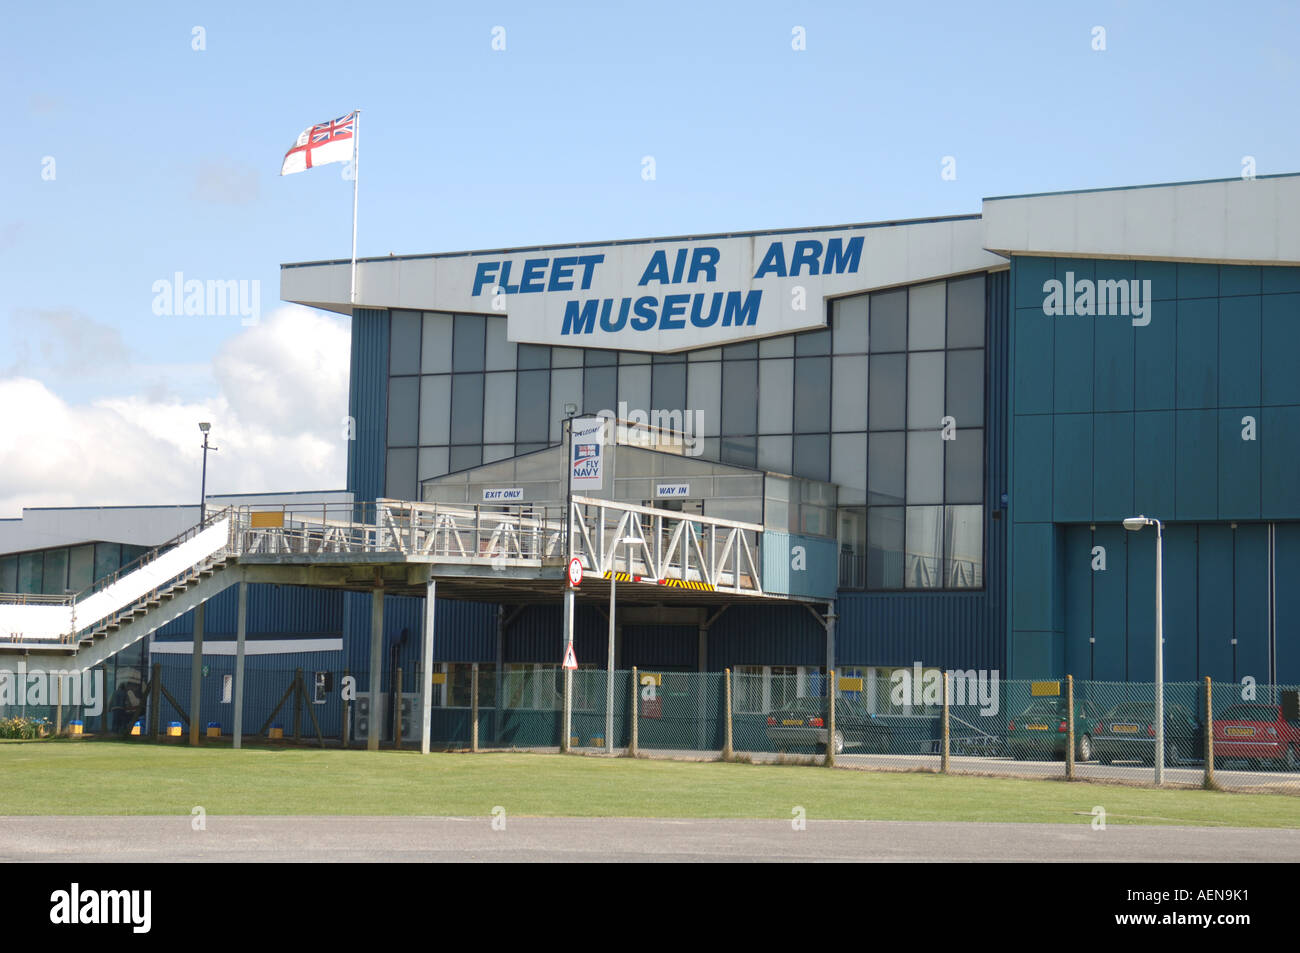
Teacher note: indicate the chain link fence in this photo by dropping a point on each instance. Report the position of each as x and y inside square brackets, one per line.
[1234, 736]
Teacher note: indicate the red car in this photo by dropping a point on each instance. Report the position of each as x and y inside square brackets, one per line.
[1257, 733]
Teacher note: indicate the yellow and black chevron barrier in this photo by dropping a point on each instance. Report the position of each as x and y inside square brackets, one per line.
[672, 583]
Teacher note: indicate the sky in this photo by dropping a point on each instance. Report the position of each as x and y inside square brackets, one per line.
[145, 140]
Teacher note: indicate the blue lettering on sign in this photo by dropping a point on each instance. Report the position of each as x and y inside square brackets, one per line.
[703, 261]
[496, 274]
[576, 322]
[808, 252]
[737, 309]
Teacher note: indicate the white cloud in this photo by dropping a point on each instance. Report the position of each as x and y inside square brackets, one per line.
[276, 417]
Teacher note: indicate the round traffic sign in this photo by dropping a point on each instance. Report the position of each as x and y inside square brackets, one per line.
[575, 572]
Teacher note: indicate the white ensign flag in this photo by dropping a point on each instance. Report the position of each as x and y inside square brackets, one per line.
[322, 143]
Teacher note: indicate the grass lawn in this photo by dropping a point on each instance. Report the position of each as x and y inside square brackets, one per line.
[69, 777]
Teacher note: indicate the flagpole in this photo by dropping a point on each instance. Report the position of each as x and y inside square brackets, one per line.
[356, 175]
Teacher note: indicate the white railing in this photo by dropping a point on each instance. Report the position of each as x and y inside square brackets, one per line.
[721, 554]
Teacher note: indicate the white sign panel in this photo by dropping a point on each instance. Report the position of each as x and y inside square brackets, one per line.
[587, 453]
[504, 495]
[665, 491]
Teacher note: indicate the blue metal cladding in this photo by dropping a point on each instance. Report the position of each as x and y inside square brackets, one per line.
[266, 678]
[817, 576]
[949, 629]
[273, 612]
[536, 635]
[769, 634]
[660, 646]
[368, 403]
[463, 632]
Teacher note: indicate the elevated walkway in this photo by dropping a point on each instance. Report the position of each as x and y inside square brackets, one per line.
[490, 553]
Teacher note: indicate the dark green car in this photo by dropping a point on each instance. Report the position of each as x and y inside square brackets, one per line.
[1041, 730]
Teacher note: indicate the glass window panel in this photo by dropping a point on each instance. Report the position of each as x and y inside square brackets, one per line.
[598, 358]
[81, 569]
[404, 343]
[9, 572]
[812, 397]
[775, 397]
[964, 467]
[403, 409]
[849, 466]
[462, 458]
[705, 354]
[668, 358]
[812, 343]
[924, 390]
[523, 448]
[533, 356]
[889, 321]
[108, 558]
[966, 312]
[399, 480]
[885, 547]
[740, 352]
[468, 342]
[704, 393]
[633, 357]
[965, 397]
[925, 316]
[435, 349]
[500, 352]
[849, 393]
[433, 462]
[499, 408]
[776, 347]
[887, 392]
[435, 410]
[742, 451]
[566, 388]
[774, 454]
[963, 562]
[54, 579]
[532, 406]
[812, 456]
[467, 409]
[853, 548]
[886, 459]
[566, 357]
[634, 388]
[924, 548]
[668, 386]
[924, 467]
[600, 390]
[31, 566]
[497, 451]
[739, 409]
[849, 322]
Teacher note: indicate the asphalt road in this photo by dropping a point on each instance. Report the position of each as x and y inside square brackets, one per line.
[532, 839]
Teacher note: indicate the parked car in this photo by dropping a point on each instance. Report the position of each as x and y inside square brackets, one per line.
[1258, 733]
[803, 723]
[1041, 730]
[1127, 733]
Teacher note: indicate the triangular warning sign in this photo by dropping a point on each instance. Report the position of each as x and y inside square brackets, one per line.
[570, 660]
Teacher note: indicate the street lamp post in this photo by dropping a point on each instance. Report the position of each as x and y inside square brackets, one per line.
[1134, 524]
[203, 486]
[609, 665]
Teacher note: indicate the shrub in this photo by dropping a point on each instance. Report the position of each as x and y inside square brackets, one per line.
[26, 728]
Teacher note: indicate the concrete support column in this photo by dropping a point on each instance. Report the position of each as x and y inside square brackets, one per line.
[376, 667]
[426, 676]
[196, 675]
[241, 630]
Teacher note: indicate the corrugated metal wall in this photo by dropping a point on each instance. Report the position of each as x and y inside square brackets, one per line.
[273, 612]
[368, 403]
[766, 635]
[949, 629]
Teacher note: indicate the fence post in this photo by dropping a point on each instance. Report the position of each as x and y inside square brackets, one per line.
[58, 710]
[636, 697]
[473, 707]
[943, 751]
[727, 753]
[397, 708]
[347, 706]
[155, 698]
[1209, 781]
[830, 719]
[1069, 727]
[566, 725]
[297, 704]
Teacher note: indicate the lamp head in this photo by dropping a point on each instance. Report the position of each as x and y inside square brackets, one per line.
[1135, 523]
[205, 426]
